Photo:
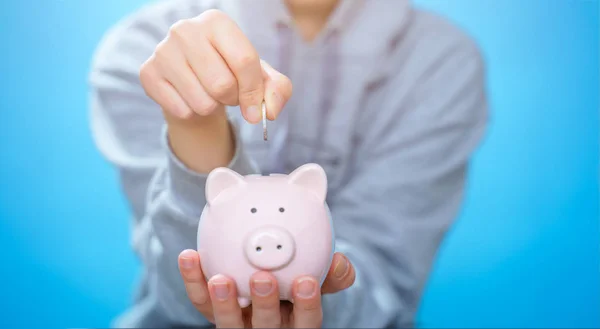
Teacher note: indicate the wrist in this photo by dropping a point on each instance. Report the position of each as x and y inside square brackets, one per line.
[202, 143]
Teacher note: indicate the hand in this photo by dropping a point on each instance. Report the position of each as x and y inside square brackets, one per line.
[202, 65]
[217, 299]
[207, 62]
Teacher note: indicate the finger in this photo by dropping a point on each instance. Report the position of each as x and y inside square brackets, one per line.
[173, 66]
[226, 309]
[278, 90]
[162, 92]
[285, 309]
[341, 275]
[265, 301]
[195, 283]
[307, 311]
[212, 71]
[244, 62]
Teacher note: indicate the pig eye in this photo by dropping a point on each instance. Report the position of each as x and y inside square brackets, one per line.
[253, 210]
[281, 209]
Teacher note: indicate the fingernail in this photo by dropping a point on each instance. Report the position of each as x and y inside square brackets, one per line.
[187, 263]
[263, 287]
[221, 288]
[306, 288]
[253, 114]
[340, 268]
[187, 260]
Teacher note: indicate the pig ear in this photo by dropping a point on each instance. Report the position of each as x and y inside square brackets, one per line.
[312, 177]
[219, 180]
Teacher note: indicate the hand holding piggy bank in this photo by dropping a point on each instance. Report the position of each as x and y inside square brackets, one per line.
[277, 223]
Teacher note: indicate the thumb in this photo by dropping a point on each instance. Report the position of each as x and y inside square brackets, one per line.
[341, 275]
[278, 90]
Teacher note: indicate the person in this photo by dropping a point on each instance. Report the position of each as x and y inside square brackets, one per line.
[389, 99]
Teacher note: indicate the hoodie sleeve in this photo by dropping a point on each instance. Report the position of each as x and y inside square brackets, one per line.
[406, 188]
[166, 198]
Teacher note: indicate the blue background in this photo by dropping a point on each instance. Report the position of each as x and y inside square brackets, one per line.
[525, 251]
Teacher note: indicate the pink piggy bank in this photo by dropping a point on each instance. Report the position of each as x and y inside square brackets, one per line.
[277, 223]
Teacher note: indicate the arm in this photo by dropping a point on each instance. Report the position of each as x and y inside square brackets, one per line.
[166, 192]
[406, 189]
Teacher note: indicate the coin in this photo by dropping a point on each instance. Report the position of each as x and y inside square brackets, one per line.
[264, 121]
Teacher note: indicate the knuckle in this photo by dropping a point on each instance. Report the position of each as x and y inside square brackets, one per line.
[168, 104]
[212, 15]
[266, 321]
[149, 77]
[199, 303]
[246, 61]
[226, 84]
[162, 53]
[147, 74]
[267, 305]
[312, 306]
[196, 102]
[180, 28]
[222, 87]
[207, 106]
[251, 94]
[191, 276]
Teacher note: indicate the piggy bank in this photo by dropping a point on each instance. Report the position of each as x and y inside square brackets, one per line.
[277, 223]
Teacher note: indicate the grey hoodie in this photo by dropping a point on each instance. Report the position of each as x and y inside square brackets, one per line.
[389, 99]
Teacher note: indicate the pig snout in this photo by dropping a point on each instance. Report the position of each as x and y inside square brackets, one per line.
[270, 248]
